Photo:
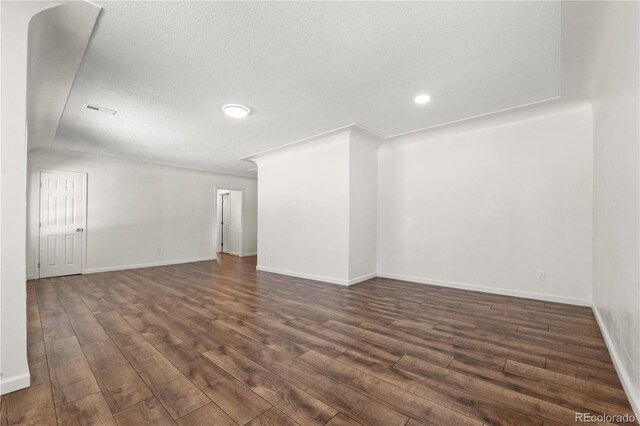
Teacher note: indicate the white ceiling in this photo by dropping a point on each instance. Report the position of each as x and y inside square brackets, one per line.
[303, 69]
[58, 39]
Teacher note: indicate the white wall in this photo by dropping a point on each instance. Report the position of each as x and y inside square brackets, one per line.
[363, 204]
[488, 208]
[16, 38]
[318, 206]
[134, 208]
[483, 208]
[13, 340]
[615, 96]
[303, 215]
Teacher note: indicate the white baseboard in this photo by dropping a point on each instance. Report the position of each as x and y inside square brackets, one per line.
[331, 280]
[31, 277]
[235, 253]
[146, 265]
[623, 374]
[419, 280]
[321, 278]
[14, 383]
[487, 289]
[361, 278]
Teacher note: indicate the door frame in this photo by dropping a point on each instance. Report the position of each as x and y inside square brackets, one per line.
[83, 251]
[225, 222]
[217, 219]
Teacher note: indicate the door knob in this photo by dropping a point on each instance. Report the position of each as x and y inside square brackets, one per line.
[79, 229]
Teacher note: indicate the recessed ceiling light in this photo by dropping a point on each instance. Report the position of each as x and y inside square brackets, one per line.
[101, 109]
[236, 111]
[422, 99]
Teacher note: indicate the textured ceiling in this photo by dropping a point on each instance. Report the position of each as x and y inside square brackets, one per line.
[58, 38]
[303, 69]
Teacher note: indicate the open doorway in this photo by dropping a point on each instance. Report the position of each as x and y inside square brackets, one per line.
[229, 222]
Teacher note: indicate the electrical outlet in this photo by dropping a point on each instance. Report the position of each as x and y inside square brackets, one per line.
[270, 259]
[159, 250]
[541, 275]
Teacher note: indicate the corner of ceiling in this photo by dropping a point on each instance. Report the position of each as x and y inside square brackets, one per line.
[253, 157]
[52, 71]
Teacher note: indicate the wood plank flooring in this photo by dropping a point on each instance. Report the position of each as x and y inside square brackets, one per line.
[221, 344]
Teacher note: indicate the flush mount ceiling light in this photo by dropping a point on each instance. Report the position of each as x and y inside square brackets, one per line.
[236, 111]
[100, 109]
[422, 99]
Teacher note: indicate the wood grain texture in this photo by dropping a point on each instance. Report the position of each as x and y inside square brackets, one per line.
[272, 417]
[207, 414]
[147, 412]
[90, 410]
[71, 377]
[218, 343]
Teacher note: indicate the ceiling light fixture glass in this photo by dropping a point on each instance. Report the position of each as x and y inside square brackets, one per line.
[236, 111]
[422, 99]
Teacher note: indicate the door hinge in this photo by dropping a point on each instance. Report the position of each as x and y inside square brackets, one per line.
[40, 224]
[40, 184]
[38, 265]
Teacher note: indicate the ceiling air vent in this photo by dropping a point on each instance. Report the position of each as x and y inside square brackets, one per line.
[101, 109]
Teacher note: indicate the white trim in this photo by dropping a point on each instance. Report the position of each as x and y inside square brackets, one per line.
[625, 379]
[252, 157]
[156, 163]
[339, 281]
[330, 280]
[147, 265]
[448, 123]
[15, 383]
[85, 183]
[234, 253]
[253, 253]
[217, 221]
[524, 107]
[486, 289]
[362, 278]
[31, 277]
[418, 280]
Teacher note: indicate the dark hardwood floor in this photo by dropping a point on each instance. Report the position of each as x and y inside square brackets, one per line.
[221, 344]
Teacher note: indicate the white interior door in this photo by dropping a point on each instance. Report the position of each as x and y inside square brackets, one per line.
[226, 223]
[235, 198]
[61, 223]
